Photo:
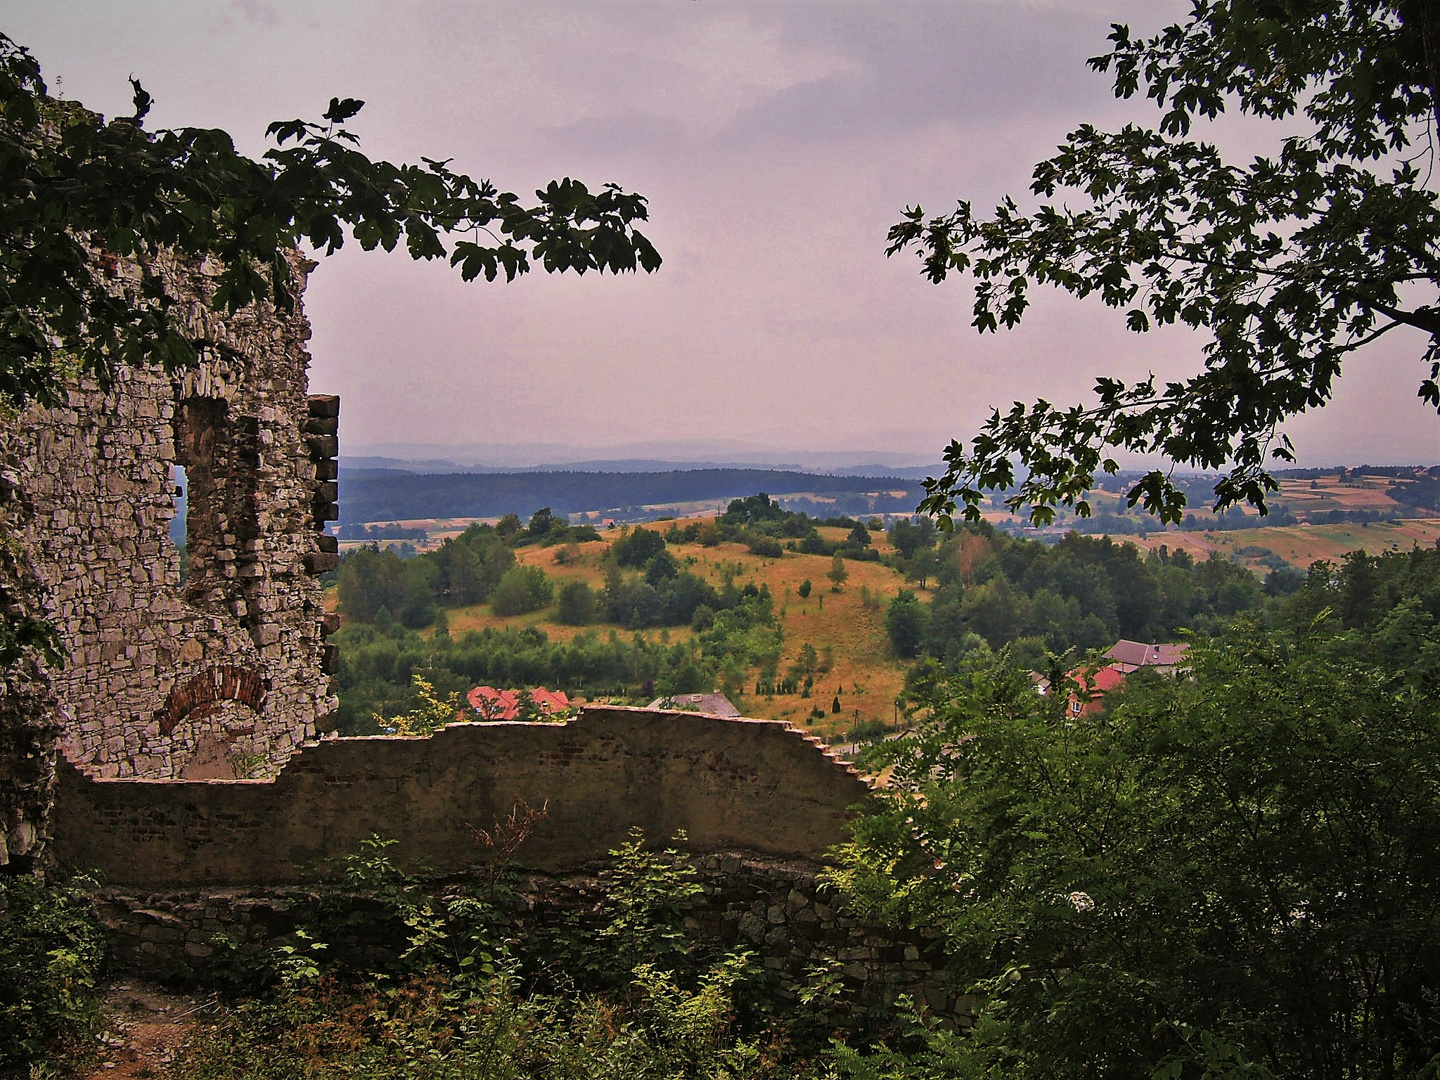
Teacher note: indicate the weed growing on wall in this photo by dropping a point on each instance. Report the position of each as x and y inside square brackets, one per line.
[51, 955]
[450, 993]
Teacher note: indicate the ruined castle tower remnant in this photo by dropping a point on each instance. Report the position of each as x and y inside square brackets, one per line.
[219, 675]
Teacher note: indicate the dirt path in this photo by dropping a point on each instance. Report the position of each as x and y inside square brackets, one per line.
[147, 1026]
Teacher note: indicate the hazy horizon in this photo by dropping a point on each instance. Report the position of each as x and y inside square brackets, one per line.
[776, 141]
[522, 456]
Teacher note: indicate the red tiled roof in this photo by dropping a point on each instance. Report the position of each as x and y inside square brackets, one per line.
[495, 704]
[1129, 655]
[1091, 689]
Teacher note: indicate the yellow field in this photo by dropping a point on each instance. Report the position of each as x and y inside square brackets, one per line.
[851, 623]
[1298, 545]
[864, 673]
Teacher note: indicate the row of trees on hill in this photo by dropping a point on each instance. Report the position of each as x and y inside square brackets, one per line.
[1082, 593]
[645, 585]
[378, 663]
[476, 567]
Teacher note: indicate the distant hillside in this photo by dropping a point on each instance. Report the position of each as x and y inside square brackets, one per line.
[385, 495]
[632, 465]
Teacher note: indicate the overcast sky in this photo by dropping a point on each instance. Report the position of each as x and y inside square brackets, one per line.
[776, 141]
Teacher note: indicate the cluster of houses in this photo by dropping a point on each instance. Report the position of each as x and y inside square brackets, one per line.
[492, 704]
[1091, 684]
[1087, 695]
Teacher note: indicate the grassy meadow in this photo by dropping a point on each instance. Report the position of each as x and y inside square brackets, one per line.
[847, 627]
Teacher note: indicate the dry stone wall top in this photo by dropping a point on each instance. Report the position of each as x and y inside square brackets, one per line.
[752, 784]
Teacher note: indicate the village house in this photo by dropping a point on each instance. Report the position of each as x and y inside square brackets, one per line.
[494, 704]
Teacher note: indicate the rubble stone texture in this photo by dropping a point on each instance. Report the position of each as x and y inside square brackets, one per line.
[29, 714]
[225, 674]
[757, 785]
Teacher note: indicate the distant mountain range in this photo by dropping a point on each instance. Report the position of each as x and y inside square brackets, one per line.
[360, 464]
[389, 494]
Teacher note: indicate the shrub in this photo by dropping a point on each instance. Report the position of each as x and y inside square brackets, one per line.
[577, 604]
[51, 953]
[522, 589]
[765, 546]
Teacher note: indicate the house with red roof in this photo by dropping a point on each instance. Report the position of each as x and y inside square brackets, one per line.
[1132, 655]
[1125, 656]
[1091, 688]
[494, 704]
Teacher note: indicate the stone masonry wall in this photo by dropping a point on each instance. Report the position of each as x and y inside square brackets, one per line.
[29, 714]
[752, 784]
[186, 863]
[780, 910]
[224, 675]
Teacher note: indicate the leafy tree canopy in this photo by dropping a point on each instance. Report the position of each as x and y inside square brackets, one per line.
[1289, 263]
[76, 192]
[1231, 874]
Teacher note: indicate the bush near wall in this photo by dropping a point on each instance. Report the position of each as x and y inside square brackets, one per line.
[51, 956]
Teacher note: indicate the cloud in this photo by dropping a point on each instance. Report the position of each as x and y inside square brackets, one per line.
[257, 12]
[921, 63]
[622, 132]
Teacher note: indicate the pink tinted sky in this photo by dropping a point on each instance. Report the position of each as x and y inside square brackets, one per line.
[776, 141]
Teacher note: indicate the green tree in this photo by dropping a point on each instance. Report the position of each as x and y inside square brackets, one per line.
[638, 547]
[522, 589]
[808, 660]
[577, 603]
[909, 536]
[837, 572]
[752, 509]
[508, 527]
[76, 191]
[540, 523]
[1234, 867]
[923, 565]
[907, 622]
[804, 589]
[1288, 262]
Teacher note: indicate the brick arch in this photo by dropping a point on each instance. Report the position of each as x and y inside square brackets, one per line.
[201, 694]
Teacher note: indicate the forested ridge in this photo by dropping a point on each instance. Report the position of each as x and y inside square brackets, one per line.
[372, 495]
[973, 591]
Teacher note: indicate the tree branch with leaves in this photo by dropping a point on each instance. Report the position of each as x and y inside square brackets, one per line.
[77, 192]
[1288, 264]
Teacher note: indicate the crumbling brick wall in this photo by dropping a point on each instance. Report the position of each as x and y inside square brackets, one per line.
[225, 674]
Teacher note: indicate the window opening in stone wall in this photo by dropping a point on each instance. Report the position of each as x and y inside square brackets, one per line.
[220, 454]
[202, 450]
[179, 485]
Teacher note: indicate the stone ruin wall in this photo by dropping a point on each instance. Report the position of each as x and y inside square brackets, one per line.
[186, 863]
[781, 910]
[755, 785]
[29, 713]
[226, 674]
